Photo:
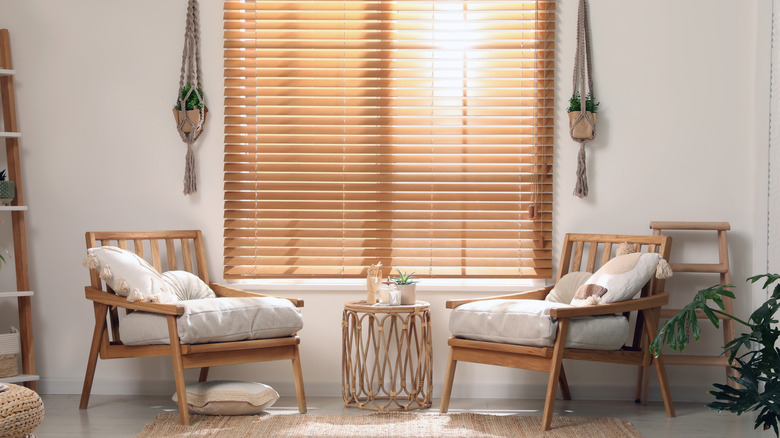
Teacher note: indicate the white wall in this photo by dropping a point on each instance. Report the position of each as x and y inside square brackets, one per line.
[682, 128]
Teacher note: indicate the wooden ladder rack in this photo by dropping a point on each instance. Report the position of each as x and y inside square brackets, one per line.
[721, 268]
[23, 294]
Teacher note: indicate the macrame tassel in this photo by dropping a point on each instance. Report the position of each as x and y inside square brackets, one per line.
[105, 273]
[625, 248]
[581, 188]
[91, 262]
[663, 270]
[190, 183]
[122, 287]
[134, 296]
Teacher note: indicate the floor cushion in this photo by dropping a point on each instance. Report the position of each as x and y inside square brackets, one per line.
[227, 397]
[528, 322]
[216, 320]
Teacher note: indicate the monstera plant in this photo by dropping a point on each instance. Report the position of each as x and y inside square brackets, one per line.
[754, 354]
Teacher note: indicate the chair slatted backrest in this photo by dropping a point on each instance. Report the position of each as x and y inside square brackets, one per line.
[165, 250]
[588, 252]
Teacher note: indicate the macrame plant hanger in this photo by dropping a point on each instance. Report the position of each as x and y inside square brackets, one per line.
[582, 123]
[190, 122]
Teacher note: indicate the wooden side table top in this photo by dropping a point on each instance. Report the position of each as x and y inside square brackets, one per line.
[361, 306]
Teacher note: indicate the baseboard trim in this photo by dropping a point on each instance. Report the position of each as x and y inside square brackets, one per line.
[331, 389]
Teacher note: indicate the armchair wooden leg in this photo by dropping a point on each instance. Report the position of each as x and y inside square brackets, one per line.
[651, 324]
[94, 349]
[564, 385]
[556, 362]
[298, 373]
[645, 385]
[178, 370]
[204, 374]
[449, 378]
[639, 381]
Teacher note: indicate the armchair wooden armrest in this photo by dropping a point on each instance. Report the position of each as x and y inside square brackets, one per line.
[645, 303]
[537, 294]
[108, 299]
[226, 291]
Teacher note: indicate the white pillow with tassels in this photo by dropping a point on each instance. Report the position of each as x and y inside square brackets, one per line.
[621, 278]
[129, 275]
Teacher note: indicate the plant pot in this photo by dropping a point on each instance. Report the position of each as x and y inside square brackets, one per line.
[192, 115]
[407, 294]
[7, 192]
[583, 130]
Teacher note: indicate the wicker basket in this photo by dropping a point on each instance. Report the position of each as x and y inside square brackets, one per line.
[9, 354]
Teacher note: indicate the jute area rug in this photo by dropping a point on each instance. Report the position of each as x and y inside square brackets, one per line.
[394, 425]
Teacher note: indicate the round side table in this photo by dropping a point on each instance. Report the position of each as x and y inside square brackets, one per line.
[386, 356]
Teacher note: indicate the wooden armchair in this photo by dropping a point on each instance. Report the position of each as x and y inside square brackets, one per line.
[172, 247]
[599, 248]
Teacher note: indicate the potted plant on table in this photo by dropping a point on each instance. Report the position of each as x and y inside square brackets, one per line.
[192, 100]
[7, 189]
[406, 284]
[758, 368]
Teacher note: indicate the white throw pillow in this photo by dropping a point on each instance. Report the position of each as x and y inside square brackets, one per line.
[567, 286]
[187, 286]
[224, 397]
[129, 275]
[618, 280]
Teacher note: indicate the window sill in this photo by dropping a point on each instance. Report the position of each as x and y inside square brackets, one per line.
[425, 285]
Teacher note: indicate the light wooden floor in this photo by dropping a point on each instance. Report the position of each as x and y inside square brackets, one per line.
[125, 416]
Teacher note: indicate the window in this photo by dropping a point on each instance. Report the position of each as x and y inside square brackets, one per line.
[416, 133]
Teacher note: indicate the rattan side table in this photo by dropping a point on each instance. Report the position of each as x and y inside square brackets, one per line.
[386, 356]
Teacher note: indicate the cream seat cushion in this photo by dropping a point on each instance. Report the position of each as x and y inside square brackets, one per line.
[216, 320]
[528, 322]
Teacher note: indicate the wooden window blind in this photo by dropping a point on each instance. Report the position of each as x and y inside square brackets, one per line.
[416, 133]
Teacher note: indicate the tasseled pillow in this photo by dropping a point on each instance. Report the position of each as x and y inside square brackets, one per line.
[128, 275]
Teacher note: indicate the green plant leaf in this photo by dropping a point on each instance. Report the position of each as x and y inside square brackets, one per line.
[674, 332]
[193, 99]
[575, 103]
[404, 278]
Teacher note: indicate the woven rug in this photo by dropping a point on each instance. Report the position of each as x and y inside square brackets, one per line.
[395, 425]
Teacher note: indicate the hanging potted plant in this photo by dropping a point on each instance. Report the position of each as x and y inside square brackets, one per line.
[7, 189]
[192, 102]
[406, 285]
[580, 128]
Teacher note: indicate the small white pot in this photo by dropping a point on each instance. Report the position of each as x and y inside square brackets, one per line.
[407, 294]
